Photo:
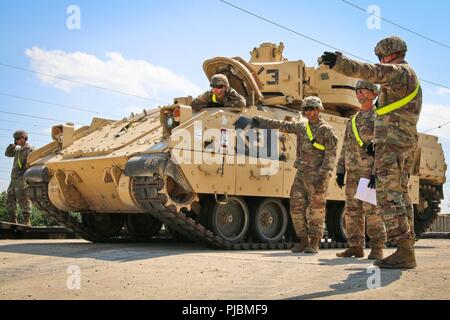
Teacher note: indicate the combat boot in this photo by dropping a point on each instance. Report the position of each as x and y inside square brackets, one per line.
[357, 252]
[300, 247]
[376, 254]
[313, 246]
[26, 219]
[403, 258]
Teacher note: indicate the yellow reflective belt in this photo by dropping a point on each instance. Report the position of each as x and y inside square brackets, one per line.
[398, 104]
[18, 160]
[311, 138]
[356, 133]
[214, 98]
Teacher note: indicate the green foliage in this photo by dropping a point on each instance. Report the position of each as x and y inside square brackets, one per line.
[38, 218]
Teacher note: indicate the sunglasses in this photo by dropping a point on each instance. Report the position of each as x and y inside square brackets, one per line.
[217, 87]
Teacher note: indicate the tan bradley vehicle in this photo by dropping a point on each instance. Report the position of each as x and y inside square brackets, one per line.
[197, 175]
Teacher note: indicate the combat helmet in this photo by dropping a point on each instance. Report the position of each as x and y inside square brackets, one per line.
[20, 133]
[312, 102]
[219, 80]
[361, 84]
[390, 46]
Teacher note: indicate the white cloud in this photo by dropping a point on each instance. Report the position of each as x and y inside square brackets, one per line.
[443, 91]
[137, 77]
[434, 115]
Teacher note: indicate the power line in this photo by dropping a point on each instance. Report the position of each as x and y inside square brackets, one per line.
[81, 83]
[56, 104]
[398, 25]
[39, 117]
[23, 123]
[438, 127]
[315, 40]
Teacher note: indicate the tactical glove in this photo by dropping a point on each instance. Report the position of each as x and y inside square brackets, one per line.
[340, 180]
[370, 149]
[372, 183]
[329, 59]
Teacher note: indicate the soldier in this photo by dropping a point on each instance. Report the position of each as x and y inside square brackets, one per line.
[17, 190]
[395, 135]
[357, 160]
[316, 158]
[220, 95]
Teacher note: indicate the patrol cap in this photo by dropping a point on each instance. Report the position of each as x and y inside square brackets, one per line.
[390, 46]
[20, 133]
[312, 102]
[361, 84]
[219, 80]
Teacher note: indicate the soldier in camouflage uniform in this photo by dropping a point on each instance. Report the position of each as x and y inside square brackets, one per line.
[400, 104]
[17, 190]
[357, 160]
[221, 95]
[316, 158]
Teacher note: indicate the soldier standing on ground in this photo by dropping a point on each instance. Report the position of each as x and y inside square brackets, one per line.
[357, 161]
[316, 158]
[221, 95]
[17, 190]
[400, 104]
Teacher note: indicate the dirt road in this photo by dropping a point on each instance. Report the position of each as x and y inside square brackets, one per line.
[56, 269]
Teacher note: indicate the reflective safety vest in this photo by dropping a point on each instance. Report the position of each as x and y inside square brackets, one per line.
[312, 140]
[18, 160]
[356, 133]
[398, 104]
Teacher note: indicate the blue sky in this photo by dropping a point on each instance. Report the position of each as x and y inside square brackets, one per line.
[173, 38]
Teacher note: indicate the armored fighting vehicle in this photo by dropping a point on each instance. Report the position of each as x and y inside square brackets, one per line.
[199, 177]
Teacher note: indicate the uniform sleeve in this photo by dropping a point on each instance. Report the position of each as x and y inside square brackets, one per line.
[375, 73]
[201, 101]
[10, 151]
[26, 153]
[288, 127]
[341, 163]
[235, 100]
[329, 160]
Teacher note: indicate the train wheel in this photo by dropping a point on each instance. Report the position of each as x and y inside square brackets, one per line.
[269, 221]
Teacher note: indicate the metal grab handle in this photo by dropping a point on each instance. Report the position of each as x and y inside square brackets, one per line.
[221, 202]
[253, 176]
[209, 173]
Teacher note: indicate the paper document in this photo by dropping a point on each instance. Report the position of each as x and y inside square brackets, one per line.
[364, 193]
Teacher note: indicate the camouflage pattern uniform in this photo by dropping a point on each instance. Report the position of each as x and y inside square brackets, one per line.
[357, 163]
[395, 133]
[231, 97]
[17, 190]
[314, 167]
[406, 174]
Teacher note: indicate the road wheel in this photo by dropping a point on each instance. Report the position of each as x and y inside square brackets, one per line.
[103, 225]
[143, 226]
[231, 220]
[427, 210]
[269, 221]
[335, 221]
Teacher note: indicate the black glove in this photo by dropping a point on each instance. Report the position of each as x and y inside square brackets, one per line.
[329, 59]
[370, 149]
[256, 123]
[340, 180]
[372, 183]
[242, 123]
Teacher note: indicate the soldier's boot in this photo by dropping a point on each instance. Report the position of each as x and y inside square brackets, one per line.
[403, 258]
[300, 247]
[357, 252]
[376, 254]
[313, 246]
[26, 219]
